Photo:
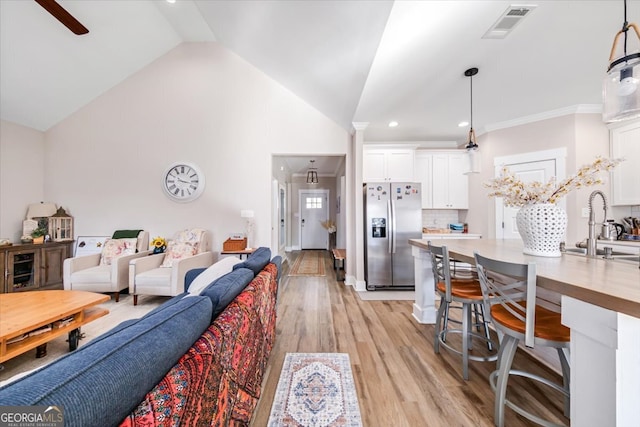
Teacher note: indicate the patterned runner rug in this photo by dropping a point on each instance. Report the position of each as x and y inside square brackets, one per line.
[308, 263]
[315, 390]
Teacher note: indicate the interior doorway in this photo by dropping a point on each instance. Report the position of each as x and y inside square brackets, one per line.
[282, 218]
[314, 210]
[535, 166]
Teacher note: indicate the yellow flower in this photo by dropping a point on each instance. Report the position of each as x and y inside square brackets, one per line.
[158, 242]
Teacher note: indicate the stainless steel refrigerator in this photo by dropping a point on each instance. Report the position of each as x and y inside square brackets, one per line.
[392, 216]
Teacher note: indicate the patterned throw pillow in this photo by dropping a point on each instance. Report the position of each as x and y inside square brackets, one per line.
[176, 251]
[192, 236]
[113, 248]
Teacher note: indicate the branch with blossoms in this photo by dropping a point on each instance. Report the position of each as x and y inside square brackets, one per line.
[518, 193]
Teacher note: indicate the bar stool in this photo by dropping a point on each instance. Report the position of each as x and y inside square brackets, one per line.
[465, 291]
[510, 290]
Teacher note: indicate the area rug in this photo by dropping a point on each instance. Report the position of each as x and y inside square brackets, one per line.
[315, 390]
[308, 263]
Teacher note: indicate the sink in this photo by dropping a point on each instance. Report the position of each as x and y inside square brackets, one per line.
[617, 256]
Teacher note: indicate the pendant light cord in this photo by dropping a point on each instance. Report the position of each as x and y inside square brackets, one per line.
[471, 105]
[625, 28]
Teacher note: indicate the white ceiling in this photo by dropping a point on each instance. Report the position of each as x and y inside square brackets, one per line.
[363, 61]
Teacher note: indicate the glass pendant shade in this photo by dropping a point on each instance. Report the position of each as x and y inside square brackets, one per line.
[312, 174]
[621, 87]
[473, 155]
[312, 177]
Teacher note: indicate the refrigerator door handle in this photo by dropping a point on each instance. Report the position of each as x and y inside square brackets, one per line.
[389, 219]
[393, 226]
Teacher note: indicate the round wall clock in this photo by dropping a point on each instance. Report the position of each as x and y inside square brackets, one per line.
[183, 182]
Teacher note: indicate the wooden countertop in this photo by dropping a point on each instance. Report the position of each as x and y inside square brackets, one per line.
[606, 283]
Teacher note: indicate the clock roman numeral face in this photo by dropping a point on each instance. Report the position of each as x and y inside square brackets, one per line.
[183, 182]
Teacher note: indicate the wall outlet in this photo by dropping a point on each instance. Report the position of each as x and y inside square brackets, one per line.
[585, 212]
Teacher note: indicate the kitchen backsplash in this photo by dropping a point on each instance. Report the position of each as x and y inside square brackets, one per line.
[440, 218]
[635, 211]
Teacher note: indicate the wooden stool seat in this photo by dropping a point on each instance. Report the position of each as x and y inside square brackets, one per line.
[465, 289]
[547, 327]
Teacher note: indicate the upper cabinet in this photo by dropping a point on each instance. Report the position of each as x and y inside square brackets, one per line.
[449, 184]
[625, 143]
[388, 165]
[424, 175]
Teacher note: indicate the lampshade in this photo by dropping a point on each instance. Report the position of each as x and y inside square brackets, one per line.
[312, 174]
[620, 91]
[472, 146]
[248, 214]
[41, 210]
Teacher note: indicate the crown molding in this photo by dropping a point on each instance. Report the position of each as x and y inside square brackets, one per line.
[359, 125]
[573, 109]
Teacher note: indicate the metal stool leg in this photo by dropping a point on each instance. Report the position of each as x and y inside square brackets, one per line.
[566, 374]
[481, 321]
[466, 339]
[442, 311]
[506, 353]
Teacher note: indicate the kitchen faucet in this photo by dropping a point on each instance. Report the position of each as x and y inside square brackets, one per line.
[591, 241]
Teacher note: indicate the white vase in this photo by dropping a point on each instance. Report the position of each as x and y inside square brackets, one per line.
[542, 227]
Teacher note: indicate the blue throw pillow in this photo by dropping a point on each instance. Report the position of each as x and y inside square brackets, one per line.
[256, 261]
[226, 288]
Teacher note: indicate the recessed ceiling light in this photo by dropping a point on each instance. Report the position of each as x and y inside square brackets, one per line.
[171, 1]
[463, 124]
[393, 124]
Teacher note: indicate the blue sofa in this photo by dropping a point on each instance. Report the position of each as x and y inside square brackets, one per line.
[106, 381]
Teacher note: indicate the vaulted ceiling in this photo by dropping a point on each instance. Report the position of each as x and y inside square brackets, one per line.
[364, 61]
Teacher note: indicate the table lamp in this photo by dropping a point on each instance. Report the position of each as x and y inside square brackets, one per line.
[248, 214]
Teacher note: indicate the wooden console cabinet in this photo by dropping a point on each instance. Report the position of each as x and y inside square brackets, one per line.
[28, 267]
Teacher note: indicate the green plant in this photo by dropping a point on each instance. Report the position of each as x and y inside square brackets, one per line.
[38, 232]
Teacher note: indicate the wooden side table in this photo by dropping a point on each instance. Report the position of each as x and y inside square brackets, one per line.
[240, 253]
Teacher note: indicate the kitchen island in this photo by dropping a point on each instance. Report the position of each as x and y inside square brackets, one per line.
[600, 303]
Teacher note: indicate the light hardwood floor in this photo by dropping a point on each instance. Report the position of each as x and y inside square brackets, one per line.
[400, 381]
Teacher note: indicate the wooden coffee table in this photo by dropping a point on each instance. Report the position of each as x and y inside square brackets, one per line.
[23, 314]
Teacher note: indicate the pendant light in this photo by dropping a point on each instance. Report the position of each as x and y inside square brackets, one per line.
[472, 146]
[620, 91]
[312, 174]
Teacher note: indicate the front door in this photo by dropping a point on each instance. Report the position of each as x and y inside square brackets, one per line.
[314, 210]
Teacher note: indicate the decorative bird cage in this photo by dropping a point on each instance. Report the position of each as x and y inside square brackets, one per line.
[61, 226]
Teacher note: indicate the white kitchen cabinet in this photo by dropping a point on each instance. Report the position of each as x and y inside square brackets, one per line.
[424, 175]
[450, 185]
[388, 165]
[625, 143]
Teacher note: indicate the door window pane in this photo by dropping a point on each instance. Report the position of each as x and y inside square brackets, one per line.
[314, 202]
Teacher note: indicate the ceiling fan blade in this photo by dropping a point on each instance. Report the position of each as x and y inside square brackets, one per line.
[63, 16]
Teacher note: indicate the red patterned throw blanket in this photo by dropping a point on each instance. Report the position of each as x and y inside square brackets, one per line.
[217, 382]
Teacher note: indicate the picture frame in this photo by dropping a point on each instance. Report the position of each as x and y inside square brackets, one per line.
[88, 245]
[338, 204]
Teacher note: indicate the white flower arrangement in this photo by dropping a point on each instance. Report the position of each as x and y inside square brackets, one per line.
[517, 193]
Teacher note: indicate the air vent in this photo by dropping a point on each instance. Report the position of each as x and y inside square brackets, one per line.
[508, 21]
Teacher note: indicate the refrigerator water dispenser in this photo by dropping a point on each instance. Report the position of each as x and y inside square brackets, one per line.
[378, 228]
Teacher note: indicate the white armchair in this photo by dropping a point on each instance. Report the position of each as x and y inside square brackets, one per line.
[163, 274]
[87, 273]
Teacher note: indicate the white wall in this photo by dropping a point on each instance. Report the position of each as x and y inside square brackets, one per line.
[198, 103]
[22, 165]
[583, 135]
